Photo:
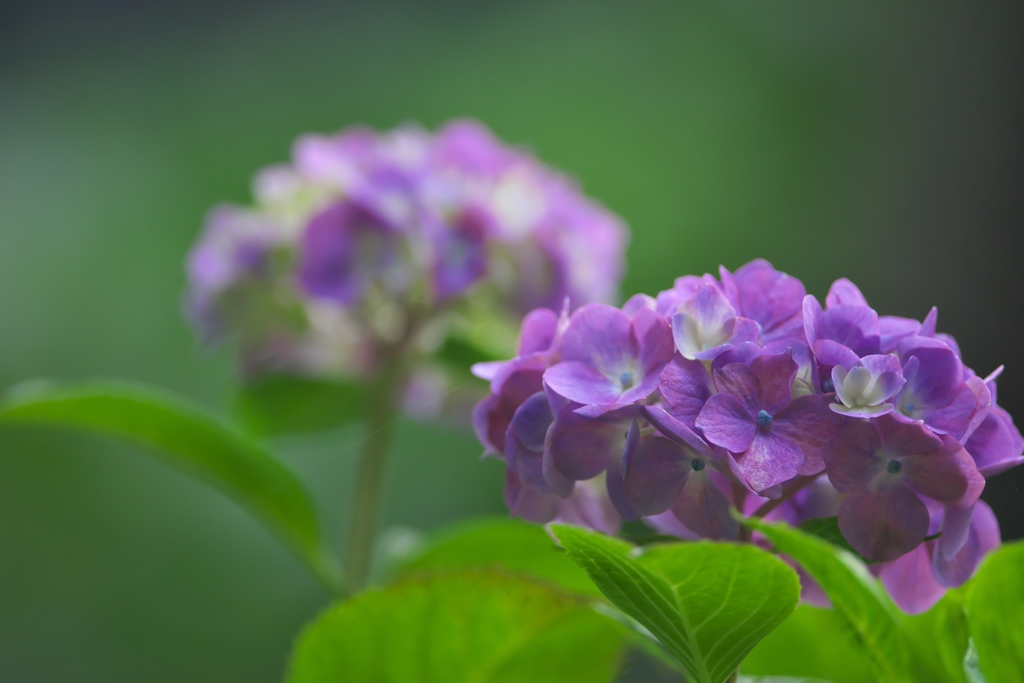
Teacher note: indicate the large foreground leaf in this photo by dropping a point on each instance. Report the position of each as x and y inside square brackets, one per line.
[470, 627]
[509, 543]
[708, 603]
[188, 437]
[879, 627]
[285, 404]
[995, 605]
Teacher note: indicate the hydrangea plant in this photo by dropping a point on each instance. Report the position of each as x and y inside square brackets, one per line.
[741, 396]
[704, 458]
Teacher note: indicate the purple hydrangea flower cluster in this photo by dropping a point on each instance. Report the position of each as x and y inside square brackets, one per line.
[367, 236]
[743, 392]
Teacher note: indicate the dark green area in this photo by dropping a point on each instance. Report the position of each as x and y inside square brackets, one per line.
[876, 141]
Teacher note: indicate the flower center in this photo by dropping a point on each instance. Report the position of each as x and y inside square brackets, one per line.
[697, 464]
[626, 380]
[894, 467]
[827, 386]
[764, 418]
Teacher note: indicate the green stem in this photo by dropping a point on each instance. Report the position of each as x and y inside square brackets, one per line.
[370, 485]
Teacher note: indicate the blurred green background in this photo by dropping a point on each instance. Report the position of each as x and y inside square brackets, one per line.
[879, 142]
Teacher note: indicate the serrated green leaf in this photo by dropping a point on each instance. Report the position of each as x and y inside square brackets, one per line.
[285, 404]
[187, 437]
[994, 607]
[877, 624]
[509, 543]
[473, 627]
[707, 603]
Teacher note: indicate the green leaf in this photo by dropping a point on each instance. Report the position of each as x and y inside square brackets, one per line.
[707, 603]
[509, 543]
[285, 404]
[827, 529]
[188, 437]
[473, 627]
[995, 604]
[812, 642]
[943, 635]
[877, 624]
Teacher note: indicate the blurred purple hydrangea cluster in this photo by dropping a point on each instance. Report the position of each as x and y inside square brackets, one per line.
[366, 237]
[745, 392]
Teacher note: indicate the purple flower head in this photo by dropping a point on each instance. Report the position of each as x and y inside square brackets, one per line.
[754, 416]
[610, 360]
[866, 389]
[882, 465]
[935, 391]
[772, 299]
[376, 237]
[706, 324]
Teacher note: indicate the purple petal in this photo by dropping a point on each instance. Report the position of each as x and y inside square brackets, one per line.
[892, 329]
[855, 327]
[686, 386]
[581, 448]
[598, 335]
[910, 582]
[812, 313]
[740, 382]
[906, 439]
[947, 475]
[996, 444]
[529, 425]
[982, 537]
[938, 374]
[667, 523]
[589, 507]
[883, 525]
[844, 292]
[833, 353]
[637, 302]
[771, 459]
[727, 422]
[955, 417]
[488, 369]
[671, 428]
[654, 472]
[930, 323]
[852, 456]
[538, 331]
[701, 507]
[775, 374]
[582, 383]
[956, 522]
[617, 494]
[808, 423]
[652, 338]
[771, 298]
[527, 502]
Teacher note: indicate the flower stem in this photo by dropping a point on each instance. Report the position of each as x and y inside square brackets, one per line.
[370, 485]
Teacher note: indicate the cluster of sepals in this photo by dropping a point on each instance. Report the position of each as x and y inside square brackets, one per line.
[744, 393]
[366, 238]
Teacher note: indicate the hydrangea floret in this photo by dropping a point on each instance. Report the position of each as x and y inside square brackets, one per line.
[743, 393]
[369, 245]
